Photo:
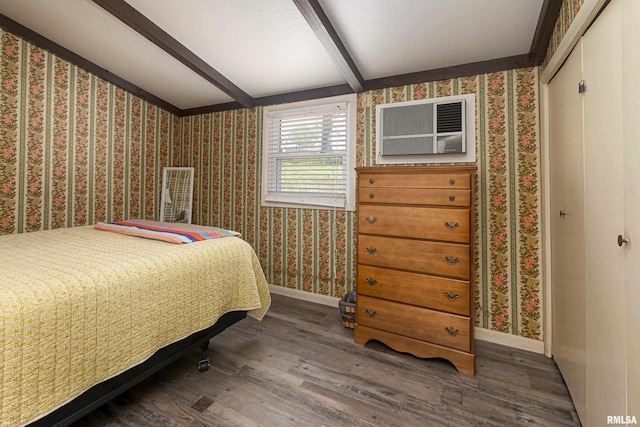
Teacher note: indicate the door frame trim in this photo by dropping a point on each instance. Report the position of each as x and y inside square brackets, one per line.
[584, 18]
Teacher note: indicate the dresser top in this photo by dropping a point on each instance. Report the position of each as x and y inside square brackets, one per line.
[468, 168]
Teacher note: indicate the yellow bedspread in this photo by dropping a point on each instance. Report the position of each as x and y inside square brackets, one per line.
[79, 306]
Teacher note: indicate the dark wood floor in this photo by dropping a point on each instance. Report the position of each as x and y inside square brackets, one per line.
[300, 367]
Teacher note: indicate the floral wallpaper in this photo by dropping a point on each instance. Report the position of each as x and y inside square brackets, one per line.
[507, 241]
[74, 149]
[314, 250]
[310, 250]
[568, 12]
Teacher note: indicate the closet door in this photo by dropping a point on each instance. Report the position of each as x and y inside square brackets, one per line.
[631, 131]
[567, 228]
[604, 217]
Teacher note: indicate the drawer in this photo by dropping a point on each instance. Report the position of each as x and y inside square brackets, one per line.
[442, 259]
[412, 288]
[451, 225]
[459, 181]
[415, 196]
[422, 323]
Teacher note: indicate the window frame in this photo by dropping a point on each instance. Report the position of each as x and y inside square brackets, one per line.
[297, 200]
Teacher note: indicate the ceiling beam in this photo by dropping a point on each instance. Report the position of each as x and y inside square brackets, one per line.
[281, 98]
[304, 95]
[140, 23]
[320, 24]
[544, 30]
[445, 73]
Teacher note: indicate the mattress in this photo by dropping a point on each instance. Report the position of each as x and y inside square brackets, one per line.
[80, 305]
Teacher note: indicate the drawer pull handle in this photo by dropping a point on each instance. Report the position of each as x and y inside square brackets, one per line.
[371, 281]
[371, 195]
[452, 198]
[452, 260]
[372, 219]
[452, 331]
[452, 296]
[371, 181]
[451, 225]
[371, 250]
[452, 181]
[370, 313]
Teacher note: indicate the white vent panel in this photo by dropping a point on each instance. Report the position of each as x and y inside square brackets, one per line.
[437, 130]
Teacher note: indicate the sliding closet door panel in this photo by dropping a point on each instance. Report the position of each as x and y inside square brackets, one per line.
[631, 132]
[604, 209]
[567, 228]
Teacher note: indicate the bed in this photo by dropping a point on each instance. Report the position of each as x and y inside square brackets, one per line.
[86, 314]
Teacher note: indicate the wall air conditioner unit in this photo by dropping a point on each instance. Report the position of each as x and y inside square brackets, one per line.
[437, 130]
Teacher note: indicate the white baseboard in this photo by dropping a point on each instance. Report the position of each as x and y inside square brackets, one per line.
[509, 340]
[481, 334]
[305, 296]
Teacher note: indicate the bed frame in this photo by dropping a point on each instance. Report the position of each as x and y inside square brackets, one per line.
[107, 390]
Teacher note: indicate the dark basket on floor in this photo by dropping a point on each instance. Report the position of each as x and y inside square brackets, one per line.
[347, 306]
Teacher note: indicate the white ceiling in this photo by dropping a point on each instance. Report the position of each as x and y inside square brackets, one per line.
[391, 37]
[266, 47]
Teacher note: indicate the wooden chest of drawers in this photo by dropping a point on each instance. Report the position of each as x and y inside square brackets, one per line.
[415, 261]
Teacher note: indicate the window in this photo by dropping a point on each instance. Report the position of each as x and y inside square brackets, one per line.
[309, 154]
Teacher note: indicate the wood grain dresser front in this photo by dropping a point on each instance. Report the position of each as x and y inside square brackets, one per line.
[415, 261]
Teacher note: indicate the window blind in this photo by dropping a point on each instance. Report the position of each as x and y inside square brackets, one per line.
[307, 155]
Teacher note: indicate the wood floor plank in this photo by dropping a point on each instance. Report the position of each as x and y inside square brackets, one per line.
[225, 416]
[300, 367]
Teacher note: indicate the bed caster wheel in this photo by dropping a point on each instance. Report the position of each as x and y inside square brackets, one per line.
[203, 365]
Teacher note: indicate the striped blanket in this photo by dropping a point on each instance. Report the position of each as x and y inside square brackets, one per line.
[165, 231]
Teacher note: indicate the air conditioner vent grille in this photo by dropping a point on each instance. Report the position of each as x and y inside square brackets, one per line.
[449, 117]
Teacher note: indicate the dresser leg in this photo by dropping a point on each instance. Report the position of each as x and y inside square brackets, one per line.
[464, 362]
